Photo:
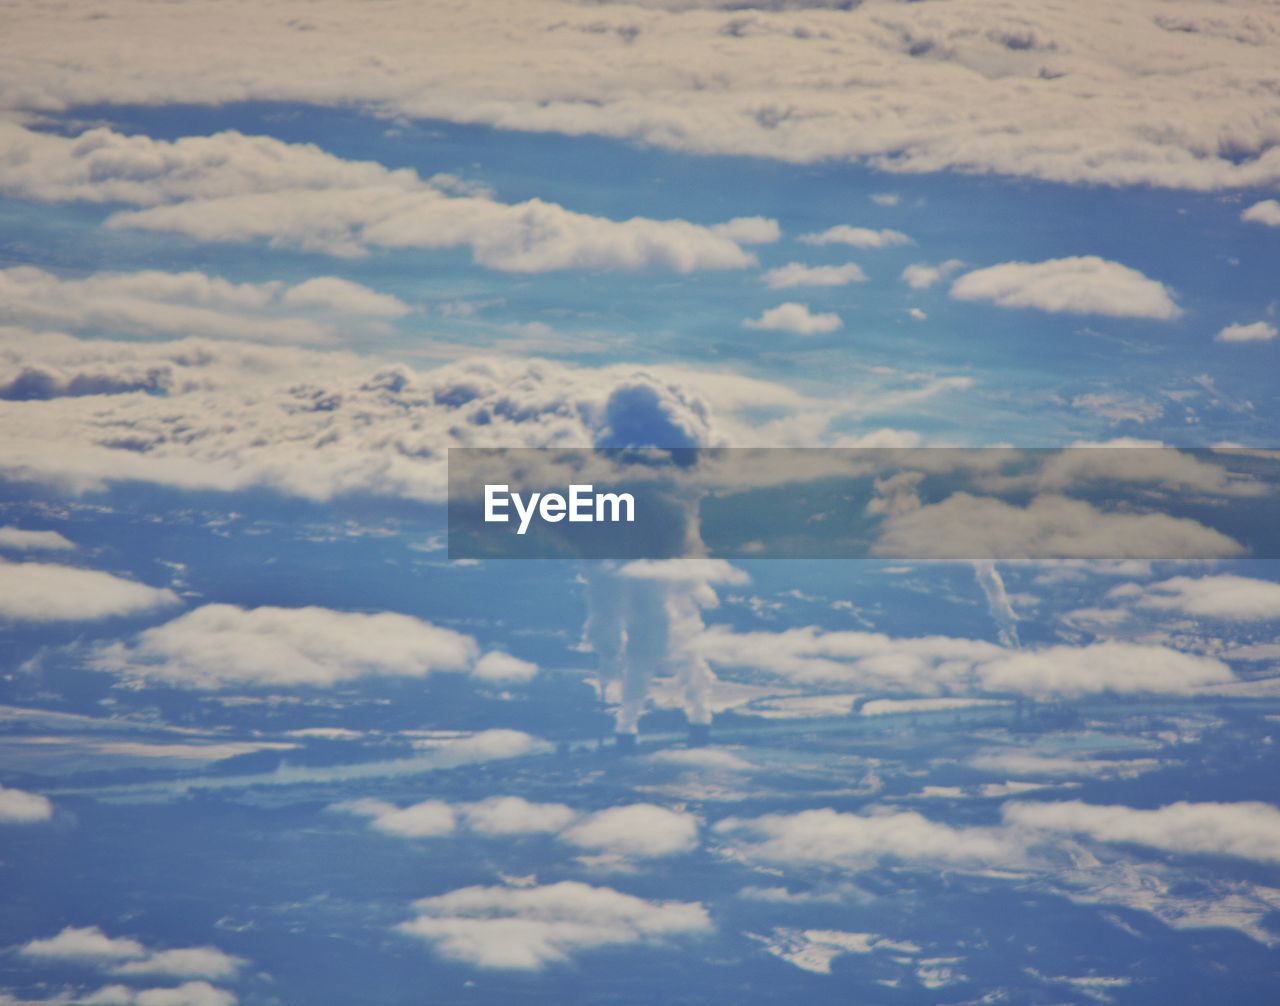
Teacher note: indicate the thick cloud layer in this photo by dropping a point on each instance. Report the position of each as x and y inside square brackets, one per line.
[231, 187]
[1174, 94]
[196, 414]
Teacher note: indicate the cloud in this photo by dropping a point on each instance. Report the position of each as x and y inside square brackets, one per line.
[17, 806]
[858, 237]
[750, 230]
[224, 646]
[1235, 598]
[885, 198]
[793, 317]
[1258, 331]
[829, 839]
[513, 815]
[186, 994]
[429, 819]
[1165, 97]
[964, 526]
[189, 303]
[19, 540]
[640, 830]
[41, 592]
[123, 955]
[921, 275]
[1265, 212]
[940, 665]
[503, 668]
[228, 416]
[797, 274]
[232, 187]
[1106, 667]
[1245, 830]
[1078, 285]
[531, 928]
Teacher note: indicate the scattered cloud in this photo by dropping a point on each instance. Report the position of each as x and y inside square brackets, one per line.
[797, 318]
[1234, 598]
[190, 303]
[123, 955]
[857, 237]
[1265, 212]
[17, 539]
[1258, 331]
[1078, 285]
[1245, 830]
[17, 806]
[224, 646]
[42, 592]
[797, 274]
[640, 830]
[533, 927]
[921, 275]
[827, 838]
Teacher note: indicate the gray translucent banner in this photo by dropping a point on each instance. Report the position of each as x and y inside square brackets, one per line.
[859, 503]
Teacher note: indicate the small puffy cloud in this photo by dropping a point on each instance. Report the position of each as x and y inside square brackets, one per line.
[17, 806]
[793, 317]
[1247, 830]
[122, 955]
[858, 237]
[685, 571]
[1258, 331]
[502, 668]
[749, 230]
[224, 646]
[17, 539]
[921, 275]
[641, 830]
[885, 198]
[41, 592]
[1236, 598]
[827, 838]
[88, 943]
[917, 314]
[797, 274]
[1078, 285]
[331, 293]
[531, 928]
[513, 815]
[428, 819]
[1266, 212]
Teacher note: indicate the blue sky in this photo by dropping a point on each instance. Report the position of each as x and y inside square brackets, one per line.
[263, 741]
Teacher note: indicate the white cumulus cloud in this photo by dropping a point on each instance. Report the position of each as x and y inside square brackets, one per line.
[42, 592]
[857, 237]
[531, 928]
[1078, 285]
[797, 318]
[1257, 331]
[797, 274]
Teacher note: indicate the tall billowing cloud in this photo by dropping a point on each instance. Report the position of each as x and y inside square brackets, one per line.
[1080, 285]
[992, 584]
[644, 619]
